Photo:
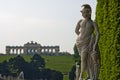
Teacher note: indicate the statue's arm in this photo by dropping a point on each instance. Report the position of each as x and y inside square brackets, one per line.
[77, 28]
[97, 36]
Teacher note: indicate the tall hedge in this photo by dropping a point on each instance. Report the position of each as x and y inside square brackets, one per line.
[108, 19]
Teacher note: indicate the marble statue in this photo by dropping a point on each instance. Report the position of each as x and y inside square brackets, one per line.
[0, 75]
[77, 72]
[87, 44]
[21, 76]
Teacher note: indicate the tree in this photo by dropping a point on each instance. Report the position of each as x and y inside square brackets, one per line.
[4, 69]
[35, 69]
[72, 73]
[16, 64]
[76, 55]
[55, 75]
[37, 61]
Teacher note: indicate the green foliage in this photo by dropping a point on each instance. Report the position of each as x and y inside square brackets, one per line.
[38, 61]
[34, 69]
[108, 19]
[16, 64]
[59, 63]
[12, 66]
[4, 69]
[72, 73]
[76, 55]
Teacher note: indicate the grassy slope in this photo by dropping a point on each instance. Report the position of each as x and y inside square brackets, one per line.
[59, 63]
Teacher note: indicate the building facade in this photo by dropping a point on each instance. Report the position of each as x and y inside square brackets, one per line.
[31, 48]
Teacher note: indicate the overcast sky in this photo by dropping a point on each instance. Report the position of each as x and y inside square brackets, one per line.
[48, 22]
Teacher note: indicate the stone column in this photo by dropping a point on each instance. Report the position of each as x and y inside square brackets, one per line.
[48, 50]
[20, 51]
[7, 50]
[39, 50]
[52, 50]
[43, 50]
[13, 51]
[16, 50]
[25, 50]
[56, 49]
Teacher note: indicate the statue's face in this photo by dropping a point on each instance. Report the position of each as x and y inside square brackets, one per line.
[85, 13]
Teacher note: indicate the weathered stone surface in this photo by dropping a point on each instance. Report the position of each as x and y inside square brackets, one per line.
[87, 44]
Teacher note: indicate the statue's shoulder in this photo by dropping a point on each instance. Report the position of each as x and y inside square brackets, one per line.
[91, 22]
[80, 20]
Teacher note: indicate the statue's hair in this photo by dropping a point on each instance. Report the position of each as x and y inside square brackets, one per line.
[87, 6]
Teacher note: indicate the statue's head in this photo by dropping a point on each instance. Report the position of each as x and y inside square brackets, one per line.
[86, 11]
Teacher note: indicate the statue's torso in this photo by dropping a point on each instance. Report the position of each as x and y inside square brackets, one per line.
[86, 31]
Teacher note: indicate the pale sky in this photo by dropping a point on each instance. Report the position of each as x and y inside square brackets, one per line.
[48, 22]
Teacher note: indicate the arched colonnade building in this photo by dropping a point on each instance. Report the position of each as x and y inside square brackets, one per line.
[31, 48]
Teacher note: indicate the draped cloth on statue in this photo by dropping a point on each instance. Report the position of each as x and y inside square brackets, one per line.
[86, 44]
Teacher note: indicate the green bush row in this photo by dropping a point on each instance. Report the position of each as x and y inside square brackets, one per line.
[108, 19]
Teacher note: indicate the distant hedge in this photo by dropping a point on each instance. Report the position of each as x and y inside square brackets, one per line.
[108, 19]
